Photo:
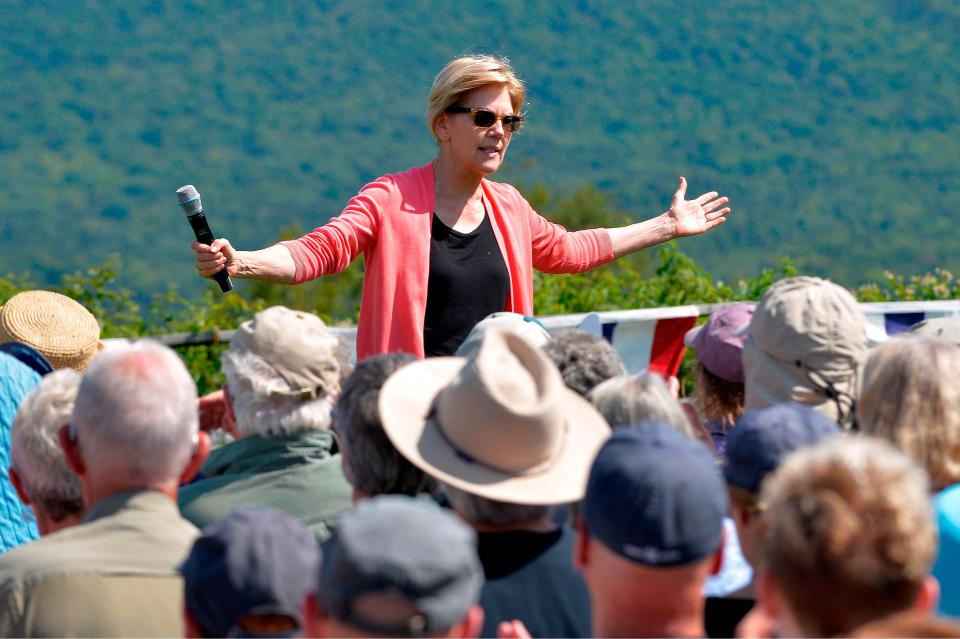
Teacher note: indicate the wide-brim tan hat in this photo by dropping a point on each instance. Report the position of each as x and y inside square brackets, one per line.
[500, 425]
[58, 327]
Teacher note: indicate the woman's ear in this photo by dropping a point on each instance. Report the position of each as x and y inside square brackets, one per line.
[441, 127]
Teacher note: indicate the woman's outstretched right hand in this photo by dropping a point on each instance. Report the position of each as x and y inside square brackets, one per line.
[208, 259]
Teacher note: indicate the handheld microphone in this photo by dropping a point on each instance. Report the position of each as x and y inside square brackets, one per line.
[189, 200]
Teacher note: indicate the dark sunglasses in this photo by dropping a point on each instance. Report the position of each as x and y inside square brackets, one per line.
[485, 118]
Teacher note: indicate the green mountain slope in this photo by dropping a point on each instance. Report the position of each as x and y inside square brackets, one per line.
[832, 126]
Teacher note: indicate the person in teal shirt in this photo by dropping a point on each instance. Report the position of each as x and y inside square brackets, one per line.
[17, 523]
[947, 567]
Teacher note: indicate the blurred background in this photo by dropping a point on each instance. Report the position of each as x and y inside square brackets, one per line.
[832, 126]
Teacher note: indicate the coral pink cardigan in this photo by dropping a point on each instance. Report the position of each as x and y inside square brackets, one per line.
[389, 222]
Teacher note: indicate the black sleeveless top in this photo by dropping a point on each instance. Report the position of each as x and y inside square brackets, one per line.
[468, 280]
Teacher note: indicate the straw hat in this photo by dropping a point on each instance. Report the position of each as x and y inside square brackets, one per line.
[501, 425]
[61, 329]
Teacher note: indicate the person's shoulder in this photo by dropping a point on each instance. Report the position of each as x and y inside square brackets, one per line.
[413, 187]
[507, 197]
[502, 190]
[16, 379]
[36, 558]
[417, 176]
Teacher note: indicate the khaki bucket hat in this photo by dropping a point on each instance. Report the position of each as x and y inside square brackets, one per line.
[500, 425]
[58, 327]
[807, 342]
[298, 345]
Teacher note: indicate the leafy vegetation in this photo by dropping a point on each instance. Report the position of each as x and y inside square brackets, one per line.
[832, 126]
[664, 277]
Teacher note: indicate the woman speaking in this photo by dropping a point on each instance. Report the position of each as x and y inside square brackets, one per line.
[444, 247]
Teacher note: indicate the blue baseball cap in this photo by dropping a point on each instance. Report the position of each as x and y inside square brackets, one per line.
[255, 562]
[763, 437]
[655, 497]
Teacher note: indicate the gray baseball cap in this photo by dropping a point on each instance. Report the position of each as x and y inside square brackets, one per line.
[254, 562]
[403, 548]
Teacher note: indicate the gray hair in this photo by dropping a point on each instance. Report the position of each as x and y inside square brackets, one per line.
[628, 400]
[584, 359]
[375, 465]
[479, 510]
[136, 414]
[259, 409]
[35, 451]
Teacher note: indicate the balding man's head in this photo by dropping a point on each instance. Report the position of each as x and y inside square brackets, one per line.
[136, 415]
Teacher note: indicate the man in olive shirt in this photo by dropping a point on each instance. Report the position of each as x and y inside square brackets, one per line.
[132, 440]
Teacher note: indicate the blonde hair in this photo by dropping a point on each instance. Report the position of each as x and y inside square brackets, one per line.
[910, 397]
[465, 74]
[850, 534]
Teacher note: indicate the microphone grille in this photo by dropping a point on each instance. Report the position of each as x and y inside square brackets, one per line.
[189, 199]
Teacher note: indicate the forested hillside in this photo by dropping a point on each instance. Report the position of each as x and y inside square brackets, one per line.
[832, 126]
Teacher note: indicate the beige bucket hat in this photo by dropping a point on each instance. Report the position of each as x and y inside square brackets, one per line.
[298, 345]
[58, 327]
[807, 342]
[501, 425]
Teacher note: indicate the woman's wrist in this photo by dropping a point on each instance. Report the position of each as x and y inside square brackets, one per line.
[641, 235]
[241, 267]
[668, 227]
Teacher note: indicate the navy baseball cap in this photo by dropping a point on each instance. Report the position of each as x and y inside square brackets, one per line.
[254, 562]
[655, 497]
[763, 437]
[404, 548]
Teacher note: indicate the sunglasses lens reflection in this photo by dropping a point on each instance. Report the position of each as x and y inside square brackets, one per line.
[484, 118]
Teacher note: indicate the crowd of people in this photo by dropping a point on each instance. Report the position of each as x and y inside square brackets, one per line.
[526, 486]
[470, 474]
